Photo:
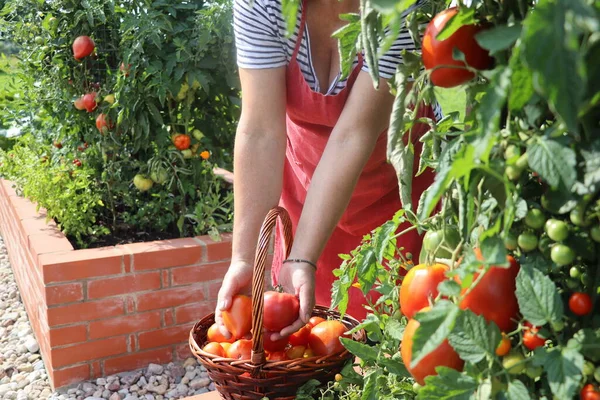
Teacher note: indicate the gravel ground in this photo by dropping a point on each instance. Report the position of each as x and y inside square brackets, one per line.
[23, 374]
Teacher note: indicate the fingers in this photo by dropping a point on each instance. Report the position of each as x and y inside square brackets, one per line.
[224, 299]
[287, 331]
[307, 300]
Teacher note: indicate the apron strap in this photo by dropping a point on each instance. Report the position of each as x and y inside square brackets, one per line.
[301, 29]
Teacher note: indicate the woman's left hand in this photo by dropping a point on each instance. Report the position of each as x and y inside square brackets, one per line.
[298, 278]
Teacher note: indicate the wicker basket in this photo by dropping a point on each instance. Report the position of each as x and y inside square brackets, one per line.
[257, 378]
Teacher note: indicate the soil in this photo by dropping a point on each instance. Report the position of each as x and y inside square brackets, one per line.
[123, 237]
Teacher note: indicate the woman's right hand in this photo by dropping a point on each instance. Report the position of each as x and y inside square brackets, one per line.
[237, 280]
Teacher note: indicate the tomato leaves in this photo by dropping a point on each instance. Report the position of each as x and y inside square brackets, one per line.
[448, 385]
[563, 366]
[587, 341]
[517, 391]
[474, 339]
[554, 161]
[538, 297]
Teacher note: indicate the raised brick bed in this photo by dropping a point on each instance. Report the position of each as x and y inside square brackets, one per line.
[101, 311]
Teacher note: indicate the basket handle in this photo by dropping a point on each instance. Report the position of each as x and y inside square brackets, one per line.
[258, 278]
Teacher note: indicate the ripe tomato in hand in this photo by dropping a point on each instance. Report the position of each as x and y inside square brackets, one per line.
[437, 53]
[295, 352]
[300, 337]
[214, 348]
[314, 321]
[215, 335]
[419, 285]
[494, 296]
[83, 46]
[580, 303]
[444, 355]
[238, 318]
[274, 345]
[240, 350]
[589, 392]
[281, 310]
[324, 339]
[531, 339]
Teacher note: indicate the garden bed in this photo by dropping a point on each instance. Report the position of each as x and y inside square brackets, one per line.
[101, 311]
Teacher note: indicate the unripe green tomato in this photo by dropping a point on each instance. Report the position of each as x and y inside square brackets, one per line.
[522, 162]
[416, 387]
[562, 254]
[572, 283]
[511, 152]
[512, 172]
[544, 246]
[527, 241]
[513, 362]
[535, 218]
[557, 230]
[545, 202]
[510, 241]
[577, 217]
[533, 371]
[595, 233]
[586, 279]
[588, 369]
[597, 374]
[38, 40]
[558, 325]
[575, 272]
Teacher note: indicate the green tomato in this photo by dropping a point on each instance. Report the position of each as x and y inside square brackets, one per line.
[38, 40]
[595, 233]
[572, 284]
[588, 369]
[533, 371]
[558, 325]
[416, 387]
[557, 230]
[562, 254]
[510, 241]
[544, 246]
[432, 240]
[512, 172]
[513, 362]
[522, 162]
[575, 272]
[597, 374]
[586, 279]
[535, 218]
[527, 241]
[577, 217]
[511, 152]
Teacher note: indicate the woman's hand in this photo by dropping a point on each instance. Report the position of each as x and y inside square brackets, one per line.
[299, 279]
[237, 280]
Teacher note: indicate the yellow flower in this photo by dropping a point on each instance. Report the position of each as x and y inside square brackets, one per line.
[205, 154]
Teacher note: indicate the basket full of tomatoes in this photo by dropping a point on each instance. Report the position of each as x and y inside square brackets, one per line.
[250, 365]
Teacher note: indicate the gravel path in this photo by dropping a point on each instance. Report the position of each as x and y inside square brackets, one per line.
[23, 374]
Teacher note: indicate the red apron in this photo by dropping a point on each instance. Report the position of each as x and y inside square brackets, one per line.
[311, 117]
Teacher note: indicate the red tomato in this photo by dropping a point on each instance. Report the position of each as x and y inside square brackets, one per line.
[589, 392]
[494, 296]
[281, 310]
[57, 144]
[277, 356]
[79, 104]
[238, 319]
[324, 339]
[419, 285]
[274, 346]
[103, 124]
[437, 53]
[215, 349]
[225, 346]
[83, 46]
[531, 339]
[77, 162]
[240, 350]
[314, 321]
[580, 303]
[444, 355]
[504, 346]
[89, 102]
[300, 338]
[182, 142]
[214, 335]
[295, 352]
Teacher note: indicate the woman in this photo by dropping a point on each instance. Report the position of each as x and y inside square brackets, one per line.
[313, 143]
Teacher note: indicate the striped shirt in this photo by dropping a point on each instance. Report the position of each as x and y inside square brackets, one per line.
[261, 42]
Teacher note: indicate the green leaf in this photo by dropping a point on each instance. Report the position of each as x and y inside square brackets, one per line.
[587, 341]
[362, 351]
[493, 251]
[347, 37]
[449, 288]
[554, 162]
[465, 17]
[517, 391]
[383, 238]
[474, 339]
[498, 38]
[521, 88]
[448, 385]
[435, 326]
[538, 297]
[563, 368]
[389, 6]
[394, 329]
[367, 269]
[370, 389]
[550, 50]
[394, 367]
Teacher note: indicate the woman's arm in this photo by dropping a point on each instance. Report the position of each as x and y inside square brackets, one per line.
[259, 153]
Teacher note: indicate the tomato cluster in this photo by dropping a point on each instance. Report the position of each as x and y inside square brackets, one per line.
[319, 337]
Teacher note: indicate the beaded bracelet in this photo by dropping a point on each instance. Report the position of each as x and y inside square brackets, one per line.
[300, 260]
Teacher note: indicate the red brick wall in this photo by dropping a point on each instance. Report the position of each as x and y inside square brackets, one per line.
[97, 312]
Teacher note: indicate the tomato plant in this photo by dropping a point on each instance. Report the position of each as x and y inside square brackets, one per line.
[580, 303]
[280, 310]
[419, 287]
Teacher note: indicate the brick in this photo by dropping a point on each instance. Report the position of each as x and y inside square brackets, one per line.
[38, 225]
[194, 312]
[123, 284]
[96, 370]
[88, 351]
[68, 335]
[213, 288]
[217, 251]
[42, 244]
[66, 376]
[137, 360]
[87, 311]
[124, 325]
[24, 208]
[164, 336]
[61, 294]
[170, 297]
[8, 188]
[130, 307]
[81, 264]
[169, 319]
[165, 280]
[164, 253]
[198, 273]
